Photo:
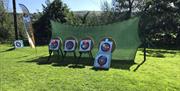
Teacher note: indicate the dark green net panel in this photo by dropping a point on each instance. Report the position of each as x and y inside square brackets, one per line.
[125, 34]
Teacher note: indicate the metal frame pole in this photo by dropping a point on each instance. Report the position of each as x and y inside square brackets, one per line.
[15, 19]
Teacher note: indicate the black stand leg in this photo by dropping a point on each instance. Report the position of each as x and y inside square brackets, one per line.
[79, 57]
[50, 52]
[75, 55]
[90, 53]
[64, 55]
[61, 53]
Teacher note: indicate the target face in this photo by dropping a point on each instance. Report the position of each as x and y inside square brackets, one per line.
[54, 44]
[18, 44]
[85, 45]
[102, 60]
[105, 47]
[70, 45]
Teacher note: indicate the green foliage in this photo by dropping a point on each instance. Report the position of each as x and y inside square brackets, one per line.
[19, 71]
[121, 10]
[6, 26]
[51, 11]
[160, 22]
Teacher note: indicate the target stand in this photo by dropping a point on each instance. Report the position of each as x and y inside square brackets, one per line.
[70, 45]
[104, 55]
[54, 46]
[85, 47]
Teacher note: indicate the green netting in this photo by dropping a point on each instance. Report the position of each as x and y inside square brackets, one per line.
[124, 33]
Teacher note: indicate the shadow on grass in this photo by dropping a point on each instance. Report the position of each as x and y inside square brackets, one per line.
[10, 49]
[159, 53]
[71, 62]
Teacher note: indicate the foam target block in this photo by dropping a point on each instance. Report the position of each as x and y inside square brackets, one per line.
[85, 45]
[70, 45]
[18, 44]
[104, 55]
[54, 45]
[103, 61]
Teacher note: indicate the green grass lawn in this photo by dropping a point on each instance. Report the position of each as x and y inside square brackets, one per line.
[27, 70]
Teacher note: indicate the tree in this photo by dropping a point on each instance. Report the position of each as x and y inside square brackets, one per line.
[6, 28]
[127, 8]
[160, 21]
[56, 11]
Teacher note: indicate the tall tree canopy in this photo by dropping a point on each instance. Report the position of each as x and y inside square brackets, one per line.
[57, 11]
[160, 21]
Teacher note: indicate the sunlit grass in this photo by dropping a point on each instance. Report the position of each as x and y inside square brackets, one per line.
[20, 71]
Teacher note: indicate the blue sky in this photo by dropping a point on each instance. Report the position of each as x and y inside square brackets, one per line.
[74, 5]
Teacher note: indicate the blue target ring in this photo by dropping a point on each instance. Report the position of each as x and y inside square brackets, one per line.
[105, 47]
[69, 45]
[102, 60]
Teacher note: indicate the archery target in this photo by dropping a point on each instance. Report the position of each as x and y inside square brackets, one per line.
[54, 44]
[85, 45]
[18, 44]
[70, 45]
[102, 61]
[106, 46]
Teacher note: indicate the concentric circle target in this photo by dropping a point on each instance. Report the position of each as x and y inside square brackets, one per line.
[69, 45]
[54, 44]
[85, 44]
[102, 60]
[18, 44]
[105, 47]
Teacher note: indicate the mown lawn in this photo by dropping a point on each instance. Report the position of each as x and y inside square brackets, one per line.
[27, 70]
